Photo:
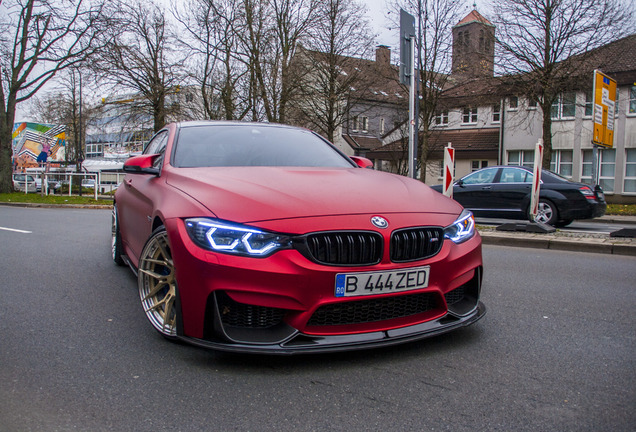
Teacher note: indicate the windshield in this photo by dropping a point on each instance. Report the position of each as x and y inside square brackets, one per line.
[253, 145]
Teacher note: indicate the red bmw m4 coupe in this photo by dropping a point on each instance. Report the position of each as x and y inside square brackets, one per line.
[252, 237]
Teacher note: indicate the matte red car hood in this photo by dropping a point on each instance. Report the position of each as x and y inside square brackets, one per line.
[250, 194]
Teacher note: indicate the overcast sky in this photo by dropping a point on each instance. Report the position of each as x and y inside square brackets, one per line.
[381, 20]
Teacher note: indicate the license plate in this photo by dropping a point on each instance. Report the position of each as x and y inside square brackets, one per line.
[382, 282]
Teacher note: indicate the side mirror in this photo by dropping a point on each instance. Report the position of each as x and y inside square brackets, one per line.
[362, 162]
[460, 183]
[141, 165]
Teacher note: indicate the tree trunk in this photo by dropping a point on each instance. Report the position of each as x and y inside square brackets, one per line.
[547, 135]
[6, 184]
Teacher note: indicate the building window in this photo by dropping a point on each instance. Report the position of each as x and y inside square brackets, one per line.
[460, 42]
[441, 118]
[513, 102]
[564, 106]
[496, 113]
[630, 171]
[521, 157]
[365, 123]
[470, 116]
[476, 165]
[607, 168]
[632, 100]
[589, 104]
[93, 150]
[562, 162]
[616, 103]
[360, 124]
[532, 104]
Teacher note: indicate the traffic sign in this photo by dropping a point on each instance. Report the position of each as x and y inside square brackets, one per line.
[449, 170]
[407, 33]
[604, 108]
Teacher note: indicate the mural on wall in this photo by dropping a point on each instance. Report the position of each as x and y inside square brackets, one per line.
[35, 144]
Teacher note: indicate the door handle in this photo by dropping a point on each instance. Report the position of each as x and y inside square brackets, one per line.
[486, 187]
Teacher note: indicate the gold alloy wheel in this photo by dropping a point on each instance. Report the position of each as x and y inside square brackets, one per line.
[157, 285]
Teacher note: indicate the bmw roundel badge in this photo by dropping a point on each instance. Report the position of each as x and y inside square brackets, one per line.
[379, 222]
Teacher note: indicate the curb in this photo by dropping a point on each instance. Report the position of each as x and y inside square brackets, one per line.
[604, 245]
[41, 205]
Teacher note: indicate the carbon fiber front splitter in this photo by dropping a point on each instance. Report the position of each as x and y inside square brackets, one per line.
[299, 343]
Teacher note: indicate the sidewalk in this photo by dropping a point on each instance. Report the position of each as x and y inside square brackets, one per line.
[567, 241]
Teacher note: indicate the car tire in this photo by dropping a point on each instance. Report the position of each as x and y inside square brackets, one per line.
[116, 245]
[547, 213]
[157, 284]
[563, 222]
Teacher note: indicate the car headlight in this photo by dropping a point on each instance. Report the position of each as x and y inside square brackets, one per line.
[462, 229]
[235, 239]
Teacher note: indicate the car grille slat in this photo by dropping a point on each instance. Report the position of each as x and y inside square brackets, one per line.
[345, 248]
[373, 310]
[416, 243]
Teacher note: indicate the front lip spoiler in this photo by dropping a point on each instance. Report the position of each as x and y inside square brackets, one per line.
[309, 344]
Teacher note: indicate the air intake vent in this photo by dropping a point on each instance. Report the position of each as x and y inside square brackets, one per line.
[372, 310]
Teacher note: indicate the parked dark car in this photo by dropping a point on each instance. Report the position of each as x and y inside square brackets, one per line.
[504, 192]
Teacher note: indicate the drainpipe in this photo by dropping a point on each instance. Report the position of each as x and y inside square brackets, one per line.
[501, 133]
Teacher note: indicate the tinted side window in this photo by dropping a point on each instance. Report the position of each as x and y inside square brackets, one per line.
[515, 175]
[157, 145]
[481, 176]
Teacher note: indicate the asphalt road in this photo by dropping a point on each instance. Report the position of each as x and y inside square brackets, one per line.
[556, 351]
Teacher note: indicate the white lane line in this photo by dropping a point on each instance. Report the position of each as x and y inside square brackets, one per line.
[15, 230]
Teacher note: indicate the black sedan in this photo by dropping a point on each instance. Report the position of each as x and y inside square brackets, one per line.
[505, 191]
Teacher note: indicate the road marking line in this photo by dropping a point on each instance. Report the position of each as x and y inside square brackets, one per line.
[15, 230]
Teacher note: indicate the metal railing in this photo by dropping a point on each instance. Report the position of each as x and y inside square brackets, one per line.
[101, 183]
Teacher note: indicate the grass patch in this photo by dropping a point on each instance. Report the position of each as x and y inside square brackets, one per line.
[621, 209]
[36, 198]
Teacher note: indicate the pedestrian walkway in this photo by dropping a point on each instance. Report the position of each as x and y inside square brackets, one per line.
[567, 240]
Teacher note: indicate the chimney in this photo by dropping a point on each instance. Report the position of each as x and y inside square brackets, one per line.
[383, 56]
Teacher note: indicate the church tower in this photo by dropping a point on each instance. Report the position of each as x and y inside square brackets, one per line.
[473, 47]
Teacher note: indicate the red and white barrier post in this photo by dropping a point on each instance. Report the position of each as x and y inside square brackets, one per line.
[449, 170]
[536, 184]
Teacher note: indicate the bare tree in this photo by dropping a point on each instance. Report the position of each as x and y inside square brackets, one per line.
[541, 42]
[38, 40]
[434, 20]
[139, 58]
[327, 72]
[269, 33]
[215, 66]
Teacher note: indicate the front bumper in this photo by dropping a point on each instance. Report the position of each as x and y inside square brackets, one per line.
[271, 305]
[300, 343]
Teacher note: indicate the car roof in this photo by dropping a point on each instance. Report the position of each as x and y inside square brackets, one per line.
[198, 123]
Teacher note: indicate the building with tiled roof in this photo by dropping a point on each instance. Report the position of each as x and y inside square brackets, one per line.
[487, 122]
